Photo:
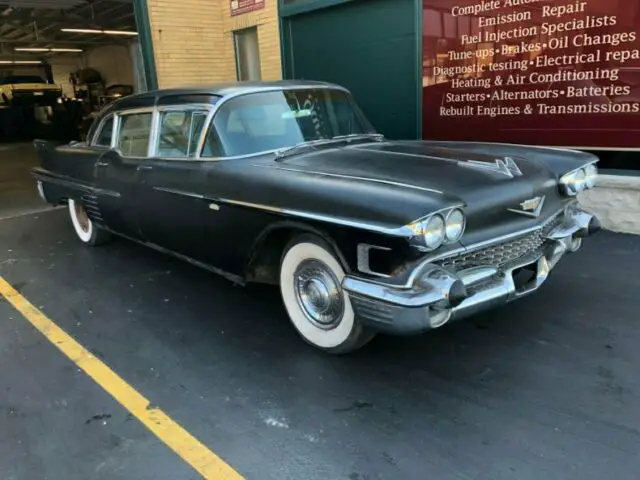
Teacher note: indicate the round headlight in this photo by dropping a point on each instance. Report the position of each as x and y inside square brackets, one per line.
[433, 232]
[591, 172]
[454, 225]
[580, 179]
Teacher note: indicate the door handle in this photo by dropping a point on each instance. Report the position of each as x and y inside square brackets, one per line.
[145, 167]
[101, 163]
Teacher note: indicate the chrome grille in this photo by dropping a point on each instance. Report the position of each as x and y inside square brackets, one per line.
[497, 254]
[501, 253]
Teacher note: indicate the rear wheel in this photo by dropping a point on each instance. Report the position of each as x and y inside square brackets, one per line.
[318, 307]
[85, 229]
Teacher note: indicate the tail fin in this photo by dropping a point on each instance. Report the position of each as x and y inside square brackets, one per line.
[44, 150]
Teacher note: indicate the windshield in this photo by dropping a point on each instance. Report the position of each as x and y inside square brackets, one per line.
[21, 79]
[265, 121]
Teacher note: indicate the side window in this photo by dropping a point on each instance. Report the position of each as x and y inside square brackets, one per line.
[133, 137]
[179, 133]
[103, 138]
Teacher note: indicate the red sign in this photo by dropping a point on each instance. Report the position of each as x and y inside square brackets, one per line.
[542, 72]
[244, 6]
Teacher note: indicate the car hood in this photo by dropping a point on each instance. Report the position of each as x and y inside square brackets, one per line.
[488, 194]
[419, 165]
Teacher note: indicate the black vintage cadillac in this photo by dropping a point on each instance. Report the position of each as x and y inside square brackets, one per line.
[288, 183]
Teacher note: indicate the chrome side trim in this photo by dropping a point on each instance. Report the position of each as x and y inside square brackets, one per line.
[396, 232]
[353, 177]
[179, 192]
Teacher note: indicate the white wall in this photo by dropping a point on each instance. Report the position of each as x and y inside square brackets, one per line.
[114, 63]
[62, 67]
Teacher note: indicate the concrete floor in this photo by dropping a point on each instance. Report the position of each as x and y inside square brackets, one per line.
[18, 193]
[547, 388]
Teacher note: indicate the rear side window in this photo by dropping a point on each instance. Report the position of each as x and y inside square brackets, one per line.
[103, 138]
[133, 137]
[179, 133]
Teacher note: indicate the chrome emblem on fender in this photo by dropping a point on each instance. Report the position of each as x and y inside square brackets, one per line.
[531, 207]
[507, 166]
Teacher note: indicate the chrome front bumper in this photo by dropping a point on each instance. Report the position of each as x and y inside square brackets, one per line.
[437, 294]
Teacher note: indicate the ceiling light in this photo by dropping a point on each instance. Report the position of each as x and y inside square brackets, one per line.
[80, 30]
[20, 62]
[90, 30]
[118, 32]
[38, 49]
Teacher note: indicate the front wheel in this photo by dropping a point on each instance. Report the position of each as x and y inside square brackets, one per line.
[318, 307]
[86, 231]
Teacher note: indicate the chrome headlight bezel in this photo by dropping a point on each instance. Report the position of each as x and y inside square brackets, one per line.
[578, 180]
[444, 227]
[433, 231]
[455, 220]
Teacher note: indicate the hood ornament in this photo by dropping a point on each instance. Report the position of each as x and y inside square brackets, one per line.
[531, 207]
[506, 166]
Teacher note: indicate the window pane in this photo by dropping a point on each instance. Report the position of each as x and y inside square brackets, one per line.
[267, 121]
[133, 139]
[247, 54]
[197, 123]
[104, 137]
[179, 133]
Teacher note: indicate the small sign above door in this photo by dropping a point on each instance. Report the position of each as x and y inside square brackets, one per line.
[244, 6]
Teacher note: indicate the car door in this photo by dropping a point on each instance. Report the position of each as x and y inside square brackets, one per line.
[117, 170]
[114, 178]
[172, 207]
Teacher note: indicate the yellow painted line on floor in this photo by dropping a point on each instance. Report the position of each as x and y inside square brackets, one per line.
[203, 460]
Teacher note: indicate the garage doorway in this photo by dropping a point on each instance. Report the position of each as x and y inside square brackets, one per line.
[60, 63]
[369, 46]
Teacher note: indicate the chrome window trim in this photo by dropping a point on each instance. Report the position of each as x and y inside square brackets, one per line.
[226, 98]
[197, 107]
[96, 134]
[134, 111]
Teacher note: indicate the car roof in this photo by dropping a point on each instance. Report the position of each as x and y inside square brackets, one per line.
[209, 93]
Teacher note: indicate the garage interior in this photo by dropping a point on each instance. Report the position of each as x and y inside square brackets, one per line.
[60, 62]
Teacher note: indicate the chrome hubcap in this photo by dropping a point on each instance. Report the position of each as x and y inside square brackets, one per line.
[319, 294]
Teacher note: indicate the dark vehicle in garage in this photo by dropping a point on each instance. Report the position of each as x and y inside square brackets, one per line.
[288, 183]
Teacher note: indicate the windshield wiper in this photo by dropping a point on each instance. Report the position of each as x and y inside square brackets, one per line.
[283, 152]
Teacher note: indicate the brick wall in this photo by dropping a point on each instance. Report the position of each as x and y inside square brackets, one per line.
[193, 40]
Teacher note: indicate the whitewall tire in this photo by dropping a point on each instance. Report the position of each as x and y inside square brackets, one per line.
[318, 307]
[86, 231]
